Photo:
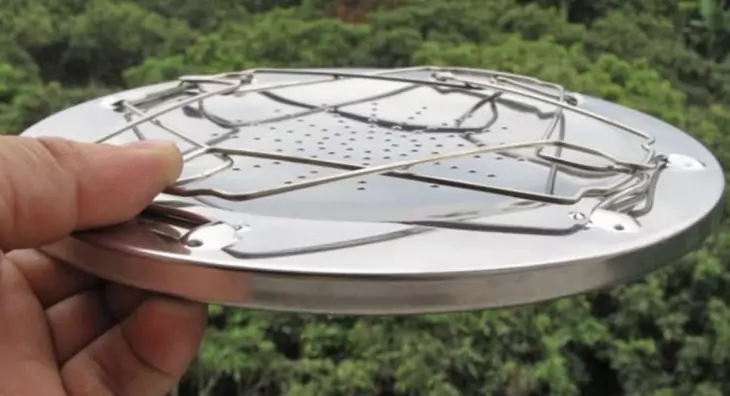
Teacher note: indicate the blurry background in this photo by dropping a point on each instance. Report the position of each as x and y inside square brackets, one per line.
[668, 334]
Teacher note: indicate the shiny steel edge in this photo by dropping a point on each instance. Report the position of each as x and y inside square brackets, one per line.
[380, 295]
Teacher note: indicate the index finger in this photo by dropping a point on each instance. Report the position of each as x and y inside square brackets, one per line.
[50, 187]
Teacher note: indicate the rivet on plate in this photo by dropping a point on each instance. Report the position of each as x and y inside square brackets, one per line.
[684, 162]
[195, 243]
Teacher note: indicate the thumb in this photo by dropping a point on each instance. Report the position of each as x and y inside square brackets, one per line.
[50, 187]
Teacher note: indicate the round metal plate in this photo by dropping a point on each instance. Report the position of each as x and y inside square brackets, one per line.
[261, 220]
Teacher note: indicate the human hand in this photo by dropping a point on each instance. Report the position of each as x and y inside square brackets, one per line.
[64, 332]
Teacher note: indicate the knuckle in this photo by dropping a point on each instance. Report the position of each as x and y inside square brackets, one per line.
[61, 151]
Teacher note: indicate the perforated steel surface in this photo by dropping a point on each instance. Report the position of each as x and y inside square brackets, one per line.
[398, 176]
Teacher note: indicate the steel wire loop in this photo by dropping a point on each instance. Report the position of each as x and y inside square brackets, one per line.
[631, 192]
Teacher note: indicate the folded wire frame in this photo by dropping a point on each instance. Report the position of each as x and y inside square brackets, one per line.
[626, 195]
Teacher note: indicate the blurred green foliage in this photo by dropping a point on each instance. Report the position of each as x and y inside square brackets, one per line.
[665, 335]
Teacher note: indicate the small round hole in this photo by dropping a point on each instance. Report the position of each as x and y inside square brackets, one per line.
[619, 227]
[195, 243]
[236, 169]
[491, 175]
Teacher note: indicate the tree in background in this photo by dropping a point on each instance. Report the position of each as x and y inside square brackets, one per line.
[668, 334]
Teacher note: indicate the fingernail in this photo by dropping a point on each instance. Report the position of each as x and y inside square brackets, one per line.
[165, 150]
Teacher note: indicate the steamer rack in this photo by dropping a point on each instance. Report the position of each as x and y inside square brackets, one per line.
[393, 191]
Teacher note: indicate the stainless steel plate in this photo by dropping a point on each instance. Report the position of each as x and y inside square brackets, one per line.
[394, 191]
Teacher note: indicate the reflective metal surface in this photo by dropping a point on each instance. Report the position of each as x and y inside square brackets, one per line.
[394, 191]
